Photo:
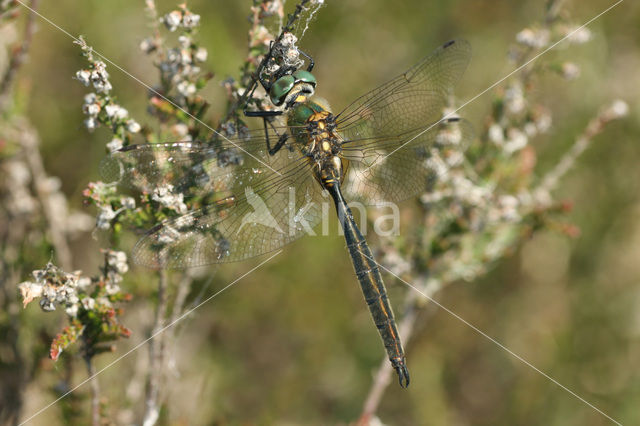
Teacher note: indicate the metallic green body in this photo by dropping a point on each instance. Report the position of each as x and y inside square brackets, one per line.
[281, 89]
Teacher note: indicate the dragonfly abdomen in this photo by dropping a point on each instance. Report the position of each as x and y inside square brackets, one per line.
[371, 284]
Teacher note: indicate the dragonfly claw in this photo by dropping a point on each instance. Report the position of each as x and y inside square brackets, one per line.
[402, 371]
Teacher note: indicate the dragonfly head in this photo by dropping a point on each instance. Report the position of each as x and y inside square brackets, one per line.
[287, 88]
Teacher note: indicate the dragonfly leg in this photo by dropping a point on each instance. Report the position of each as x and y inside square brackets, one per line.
[281, 141]
[309, 58]
[266, 116]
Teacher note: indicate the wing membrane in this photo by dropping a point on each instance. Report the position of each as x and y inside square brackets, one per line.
[391, 132]
[258, 203]
[393, 169]
[411, 100]
[192, 166]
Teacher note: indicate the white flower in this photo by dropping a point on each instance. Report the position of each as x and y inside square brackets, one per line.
[133, 126]
[543, 122]
[91, 110]
[514, 100]
[454, 158]
[165, 196]
[180, 130]
[83, 283]
[147, 45]
[516, 140]
[190, 20]
[184, 41]
[530, 129]
[102, 86]
[509, 207]
[186, 88]
[288, 39]
[19, 173]
[579, 35]
[118, 261]
[533, 38]
[185, 221]
[84, 77]
[201, 54]
[436, 164]
[128, 202]
[30, 291]
[496, 134]
[72, 310]
[167, 235]
[91, 123]
[185, 59]
[174, 56]
[396, 263]
[112, 288]
[116, 111]
[105, 216]
[54, 286]
[47, 305]
[618, 109]
[88, 303]
[450, 135]
[100, 77]
[570, 71]
[172, 20]
[114, 145]
[90, 98]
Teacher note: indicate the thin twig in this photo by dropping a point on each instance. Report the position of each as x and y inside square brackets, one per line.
[553, 10]
[95, 390]
[18, 57]
[156, 355]
[184, 286]
[16, 371]
[47, 196]
[414, 304]
[616, 110]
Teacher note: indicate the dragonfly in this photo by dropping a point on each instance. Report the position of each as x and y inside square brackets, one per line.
[262, 189]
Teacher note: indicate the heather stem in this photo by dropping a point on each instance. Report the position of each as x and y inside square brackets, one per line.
[18, 57]
[156, 355]
[617, 110]
[95, 391]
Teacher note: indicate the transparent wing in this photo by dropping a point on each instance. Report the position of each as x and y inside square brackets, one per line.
[410, 100]
[391, 132]
[192, 167]
[256, 203]
[395, 168]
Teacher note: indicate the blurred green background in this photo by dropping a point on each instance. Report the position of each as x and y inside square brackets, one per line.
[293, 342]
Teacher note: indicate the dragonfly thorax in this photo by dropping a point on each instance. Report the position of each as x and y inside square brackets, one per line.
[314, 131]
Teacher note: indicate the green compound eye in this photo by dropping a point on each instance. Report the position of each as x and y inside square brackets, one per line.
[305, 77]
[281, 89]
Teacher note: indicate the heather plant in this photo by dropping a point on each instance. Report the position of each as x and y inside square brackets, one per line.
[482, 203]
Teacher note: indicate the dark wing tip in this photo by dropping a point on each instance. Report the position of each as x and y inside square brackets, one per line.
[458, 44]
